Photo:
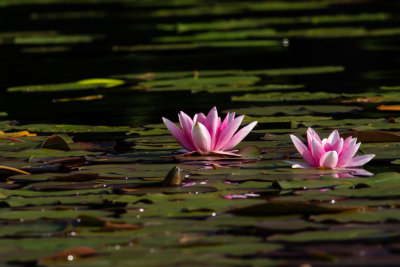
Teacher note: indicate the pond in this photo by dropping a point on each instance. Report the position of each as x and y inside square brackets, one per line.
[90, 175]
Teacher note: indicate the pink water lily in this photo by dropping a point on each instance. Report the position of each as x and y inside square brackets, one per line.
[330, 153]
[209, 134]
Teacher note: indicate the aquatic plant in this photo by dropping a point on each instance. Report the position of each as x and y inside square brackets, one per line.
[209, 134]
[331, 153]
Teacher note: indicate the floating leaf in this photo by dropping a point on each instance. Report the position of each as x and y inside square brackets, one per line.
[56, 142]
[372, 136]
[89, 84]
[278, 96]
[69, 255]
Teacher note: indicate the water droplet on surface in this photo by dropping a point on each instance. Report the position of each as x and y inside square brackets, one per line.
[285, 42]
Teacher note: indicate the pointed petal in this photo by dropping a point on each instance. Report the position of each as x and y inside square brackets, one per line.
[349, 153]
[239, 136]
[333, 137]
[231, 117]
[201, 137]
[329, 160]
[224, 123]
[178, 134]
[346, 143]
[311, 134]
[303, 150]
[228, 132]
[187, 124]
[359, 161]
[338, 146]
[201, 118]
[317, 151]
[212, 125]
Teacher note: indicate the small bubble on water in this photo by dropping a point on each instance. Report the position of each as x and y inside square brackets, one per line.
[285, 42]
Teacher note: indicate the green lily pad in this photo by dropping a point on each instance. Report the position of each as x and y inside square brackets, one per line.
[89, 84]
[291, 96]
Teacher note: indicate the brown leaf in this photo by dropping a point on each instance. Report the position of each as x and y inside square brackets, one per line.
[69, 254]
[389, 107]
[372, 136]
[111, 226]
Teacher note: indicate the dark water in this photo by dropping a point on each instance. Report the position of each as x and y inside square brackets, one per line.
[121, 25]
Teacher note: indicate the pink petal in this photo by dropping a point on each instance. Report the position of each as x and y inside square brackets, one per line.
[349, 153]
[201, 137]
[201, 118]
[338, 146]
[224, 123]
[346, 143]
[228, 132]
[178, 134]
[316, 150]
[303, 150]
[239, 136]
[231, 117]
[187, 124]
[359, 161]
[329, 160]
[311, 134]
[360, 172]
[212, 125]
[333, 137]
